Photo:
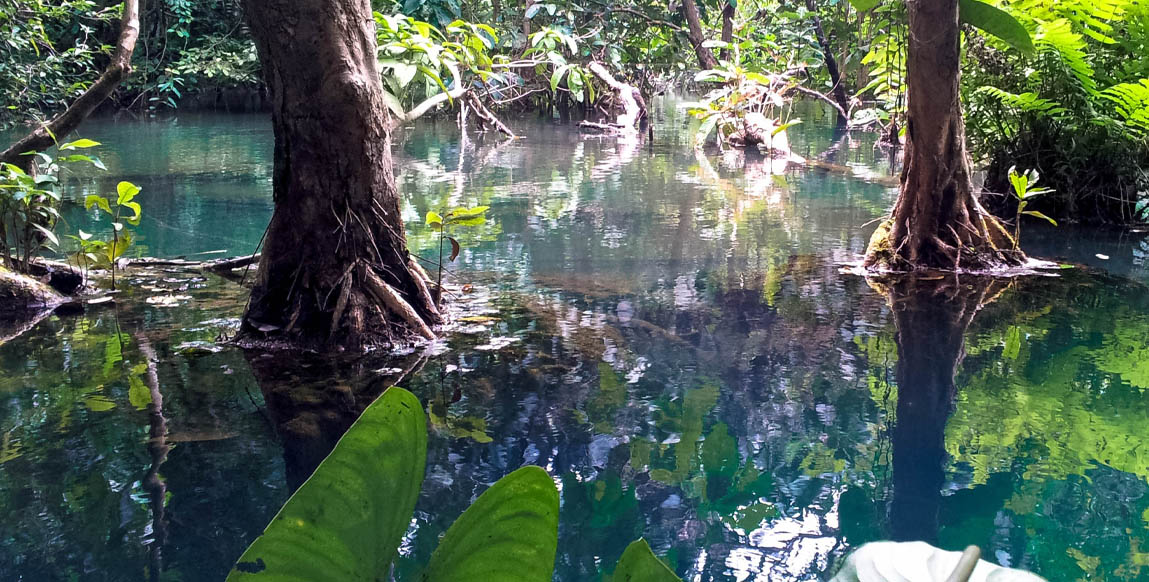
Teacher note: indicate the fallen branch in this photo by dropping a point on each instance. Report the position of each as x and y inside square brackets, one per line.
[628, 96]
[221, 265]
[822, 96]
[397, 305]
[65, 123]
[430, 103]
[486, 116]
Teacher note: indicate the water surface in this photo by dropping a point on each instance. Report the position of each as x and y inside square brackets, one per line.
[668, 334]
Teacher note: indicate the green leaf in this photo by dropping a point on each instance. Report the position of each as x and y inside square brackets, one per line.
[79, 144]
[465, 213]
[864, 5]
[47, 234]
[433, 219]
[557, 76]
[997, 22]
[134, 207]
[345, 523]
[393, 103]
[125, 191]
[1041, 216]
[509, 534]
[639, 564]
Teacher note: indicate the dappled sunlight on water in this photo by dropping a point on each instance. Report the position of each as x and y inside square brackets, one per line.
[668, 333]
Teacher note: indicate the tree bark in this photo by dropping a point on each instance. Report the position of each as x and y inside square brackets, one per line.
[937, 222]
[336, 228]
[59, 127]
[839, 89]
[694, 33]
[727, 29]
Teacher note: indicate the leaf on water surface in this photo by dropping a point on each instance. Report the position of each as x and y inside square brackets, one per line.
[345, 523]
[639, 564]
[919, 562]
[509, 534]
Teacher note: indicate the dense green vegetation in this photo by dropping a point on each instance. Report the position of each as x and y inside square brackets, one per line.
[1072, 104]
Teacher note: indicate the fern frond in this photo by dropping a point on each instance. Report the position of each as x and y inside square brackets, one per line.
[1025, 102]
[1058, 37]
[1132, 104]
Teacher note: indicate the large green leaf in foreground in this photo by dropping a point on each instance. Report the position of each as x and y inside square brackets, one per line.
[639, 564]
[510, 534]
[345, 523]
[999, 23]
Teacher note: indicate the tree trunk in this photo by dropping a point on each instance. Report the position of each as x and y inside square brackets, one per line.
[937, 222]
[694, 33]
[334, 268]
[727, 30]
[839, 89]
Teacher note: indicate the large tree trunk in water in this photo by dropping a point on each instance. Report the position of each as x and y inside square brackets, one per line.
[937, 221]
[334, 267]
[839, 89]
[694, 33]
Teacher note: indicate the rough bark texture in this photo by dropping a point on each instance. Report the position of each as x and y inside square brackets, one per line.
[937, 221]
[727, 29]
[931, 318]
[694, 33]
[336, 224]
[59, 127]
[839, 89]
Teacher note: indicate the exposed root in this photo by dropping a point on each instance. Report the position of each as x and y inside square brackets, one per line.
[396, 304]
[421, 281]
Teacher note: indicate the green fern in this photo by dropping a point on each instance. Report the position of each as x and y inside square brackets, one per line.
[1058, 37]
[1025, 102]
[1132, 104]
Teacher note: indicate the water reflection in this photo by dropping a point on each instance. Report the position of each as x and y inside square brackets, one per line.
[667, 333]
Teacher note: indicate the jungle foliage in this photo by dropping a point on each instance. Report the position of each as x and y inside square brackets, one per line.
[1072, 103]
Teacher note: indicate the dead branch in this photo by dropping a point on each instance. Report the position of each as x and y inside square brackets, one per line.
[397, 305]
[65, 123]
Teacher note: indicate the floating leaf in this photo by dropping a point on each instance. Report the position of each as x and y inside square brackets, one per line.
[639, 564]
[345, 523]
[509, 534]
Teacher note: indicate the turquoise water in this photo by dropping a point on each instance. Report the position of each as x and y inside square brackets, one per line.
[668, 334]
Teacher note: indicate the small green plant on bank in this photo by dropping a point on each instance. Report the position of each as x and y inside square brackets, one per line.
[30, 200]
[465, 217]
[348, 520]
[1025, 190]
[107, 252]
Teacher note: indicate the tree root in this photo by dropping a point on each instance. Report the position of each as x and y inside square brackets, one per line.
[396, 304]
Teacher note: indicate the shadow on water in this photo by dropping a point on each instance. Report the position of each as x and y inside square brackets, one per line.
[667, 333]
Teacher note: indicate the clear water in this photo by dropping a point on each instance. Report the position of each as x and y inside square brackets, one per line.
[668, 334]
